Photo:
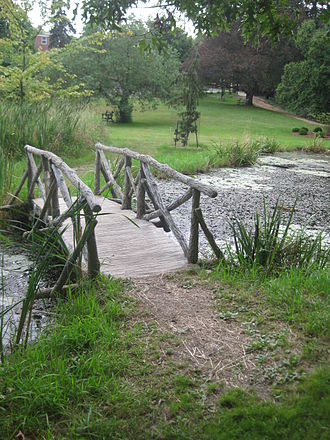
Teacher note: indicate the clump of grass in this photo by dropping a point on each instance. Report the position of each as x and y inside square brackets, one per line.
[270, 245]
[238, 154]
[5, 176]
[51, 126]
[317, 145]
[267, 145]
[245, 153]
[302, 299]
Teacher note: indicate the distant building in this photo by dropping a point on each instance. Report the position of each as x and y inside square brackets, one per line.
[42, 41]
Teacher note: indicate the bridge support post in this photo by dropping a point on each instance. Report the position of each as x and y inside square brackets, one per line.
[140, 198]
[92, 255]
[97, 173]
[194, 228]
[127, 197]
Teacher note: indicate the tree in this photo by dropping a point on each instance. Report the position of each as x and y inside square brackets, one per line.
[113, 65]
[61, 25]
[270, 17]
[26, 75]
[305, 85]
[189, 91]
[227, 60]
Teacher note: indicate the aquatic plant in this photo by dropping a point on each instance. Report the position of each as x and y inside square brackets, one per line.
[271, 244]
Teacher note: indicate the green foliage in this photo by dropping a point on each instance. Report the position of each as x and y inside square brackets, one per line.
[258, 18]
[318, 130]
[62, 28]
[303, 131]
[48, 125]
[114, 67]
[295, 130]
[305, 85]
[189, 90]
[270, 244]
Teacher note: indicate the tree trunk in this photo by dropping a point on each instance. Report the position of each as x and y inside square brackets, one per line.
[249, 98]
[125, 109]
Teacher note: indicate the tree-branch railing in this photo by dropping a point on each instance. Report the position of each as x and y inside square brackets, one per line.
[144, 184]
[50, 178]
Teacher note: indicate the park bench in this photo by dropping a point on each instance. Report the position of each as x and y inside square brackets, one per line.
[108, 117]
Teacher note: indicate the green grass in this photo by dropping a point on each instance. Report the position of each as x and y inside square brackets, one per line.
[221, 122]
[101, 372]
[297, 296]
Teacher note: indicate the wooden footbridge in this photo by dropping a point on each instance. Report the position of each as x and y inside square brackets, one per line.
[116, 234]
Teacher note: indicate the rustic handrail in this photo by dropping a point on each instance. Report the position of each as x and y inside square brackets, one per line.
[50, 177]
[143, 184]
[69, 173]
[163, 168]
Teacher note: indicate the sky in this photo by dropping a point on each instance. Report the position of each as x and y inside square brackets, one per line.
[143, 11]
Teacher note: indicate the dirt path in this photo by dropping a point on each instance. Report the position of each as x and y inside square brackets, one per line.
[220, 349]
[258, 101]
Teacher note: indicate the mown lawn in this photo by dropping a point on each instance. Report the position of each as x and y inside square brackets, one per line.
[220, 122]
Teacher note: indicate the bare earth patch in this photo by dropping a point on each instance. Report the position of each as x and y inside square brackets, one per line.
[220, 349]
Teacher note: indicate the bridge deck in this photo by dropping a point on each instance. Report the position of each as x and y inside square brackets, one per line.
[126, 250]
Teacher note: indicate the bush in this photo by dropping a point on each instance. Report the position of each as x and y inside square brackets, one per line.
[318, 130]
[295, 130]
[303, 131]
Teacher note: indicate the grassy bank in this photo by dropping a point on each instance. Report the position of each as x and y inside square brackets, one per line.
[103, 371]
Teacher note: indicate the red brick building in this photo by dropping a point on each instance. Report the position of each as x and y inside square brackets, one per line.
[42, 41]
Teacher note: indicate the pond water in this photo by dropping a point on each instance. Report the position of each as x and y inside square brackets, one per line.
[15, 266]
[285, 177]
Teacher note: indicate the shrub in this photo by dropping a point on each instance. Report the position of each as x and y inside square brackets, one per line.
[303, 131]
[318, 130]
[295, 130]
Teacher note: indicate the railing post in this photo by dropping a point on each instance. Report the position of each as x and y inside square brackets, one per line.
[141, 196]
[194, 228]
[55, 205]
[97, 173]
[30, 179]
[92, 255]
[127, 197]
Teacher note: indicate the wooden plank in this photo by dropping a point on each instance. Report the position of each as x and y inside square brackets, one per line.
[125, 250]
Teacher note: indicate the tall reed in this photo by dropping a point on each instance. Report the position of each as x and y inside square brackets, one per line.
[5, 176]
[52, 125]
